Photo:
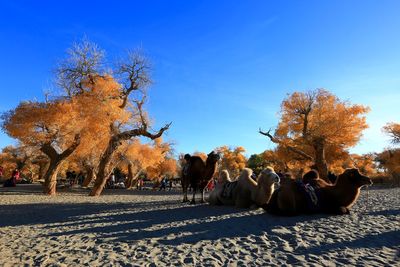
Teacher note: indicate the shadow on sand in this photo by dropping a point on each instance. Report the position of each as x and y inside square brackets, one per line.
[173, 223]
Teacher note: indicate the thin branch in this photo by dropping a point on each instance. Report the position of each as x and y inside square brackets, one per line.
[291, 148]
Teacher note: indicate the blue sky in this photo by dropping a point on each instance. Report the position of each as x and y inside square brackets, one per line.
[221, 68]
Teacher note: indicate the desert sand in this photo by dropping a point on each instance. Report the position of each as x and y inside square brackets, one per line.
[146, 228]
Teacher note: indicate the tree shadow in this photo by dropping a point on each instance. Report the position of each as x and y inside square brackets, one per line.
[393, 212]
[173, 224]
[53, 213]
[176, 224]
[373, 240]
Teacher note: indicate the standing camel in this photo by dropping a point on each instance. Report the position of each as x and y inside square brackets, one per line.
[198, 173]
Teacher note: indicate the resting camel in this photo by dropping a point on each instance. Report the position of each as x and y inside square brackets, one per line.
[245, 192]
[198, 173]
[294, 198]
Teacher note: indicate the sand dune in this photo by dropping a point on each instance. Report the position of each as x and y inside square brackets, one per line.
[144, 228]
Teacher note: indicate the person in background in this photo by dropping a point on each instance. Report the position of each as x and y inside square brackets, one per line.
[16, 175]
[170, 184]
[12, 182]
[111, 180]
[140, 184]
[163, 184]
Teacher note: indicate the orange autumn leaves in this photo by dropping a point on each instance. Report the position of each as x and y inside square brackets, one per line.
[232, 159]
[316, 127]
[154, 159]
[90, 115]
[320, 114]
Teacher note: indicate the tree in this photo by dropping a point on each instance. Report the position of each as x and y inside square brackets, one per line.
[393, 130]
[257, 163]
[81, 73]
[167, 167]
[232, 159]
[139, 158]
[316, 121]
[389, 159]
[365, 163]
[53, 127]
[21, 157]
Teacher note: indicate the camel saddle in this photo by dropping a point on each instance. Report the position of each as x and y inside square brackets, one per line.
[229, 187]
[311, 193]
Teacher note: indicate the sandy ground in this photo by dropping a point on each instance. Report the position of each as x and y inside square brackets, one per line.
[144, 228]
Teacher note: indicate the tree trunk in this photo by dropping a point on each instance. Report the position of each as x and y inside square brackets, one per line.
[129, 181]
[320, 162]
[103, 172]
[50, 178]
[90, 176]
[43, 167]
[132, 179]
[113, 144]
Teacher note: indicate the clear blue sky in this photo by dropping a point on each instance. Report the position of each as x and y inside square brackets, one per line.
[221, 68]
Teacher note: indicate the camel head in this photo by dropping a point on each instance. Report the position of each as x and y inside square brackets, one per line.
[267, 178]
[224, 177]
[355, 178]
[265, 185]
[213, 157]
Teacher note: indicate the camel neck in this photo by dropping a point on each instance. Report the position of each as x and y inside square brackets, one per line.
[210, 168]
[345, 193]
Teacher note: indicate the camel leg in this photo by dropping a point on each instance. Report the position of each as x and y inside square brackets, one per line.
[185, 198]
[193, 197]
[185, 186]
[202, 196]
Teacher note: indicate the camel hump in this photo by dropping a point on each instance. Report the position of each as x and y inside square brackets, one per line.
[224, 176]
[310, 176]
[247, 172]
[196, 160]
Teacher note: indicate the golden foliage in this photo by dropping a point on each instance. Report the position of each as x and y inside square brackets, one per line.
[153, 158]
[35, 123]
[320, 114]
[232, 160]
[317, 127]
[389, 160]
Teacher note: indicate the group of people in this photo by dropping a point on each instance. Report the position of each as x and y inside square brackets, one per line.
[73, 178]
[114, 182]
[165, 183]
[15, 177]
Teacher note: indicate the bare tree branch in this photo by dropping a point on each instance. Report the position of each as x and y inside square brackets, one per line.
[291, 148]
[142, 132]
[134, 74]
[84, 62]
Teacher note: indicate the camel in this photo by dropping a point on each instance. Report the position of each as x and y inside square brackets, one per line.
[198, 173]
[294, 198]
[245, 192]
